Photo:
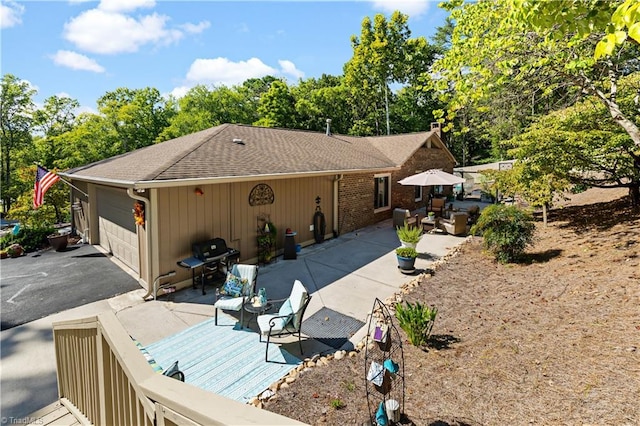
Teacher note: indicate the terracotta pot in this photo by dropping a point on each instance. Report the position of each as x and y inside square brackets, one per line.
[58, 241]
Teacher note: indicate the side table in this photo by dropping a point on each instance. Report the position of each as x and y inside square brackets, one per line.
[255, 310]
[430, 225]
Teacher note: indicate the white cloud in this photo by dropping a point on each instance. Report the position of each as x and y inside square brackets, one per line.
[125, 5]
[179, 92]
[222, 71]
[408, 7]
[76, 61]
[195, 28]
[289, 68]
[10, 14]
[98, 31]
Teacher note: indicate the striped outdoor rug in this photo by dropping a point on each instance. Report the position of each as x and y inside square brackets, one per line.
[222, 359]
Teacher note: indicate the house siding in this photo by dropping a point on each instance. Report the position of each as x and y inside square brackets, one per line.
[223, 211]
[355, 199]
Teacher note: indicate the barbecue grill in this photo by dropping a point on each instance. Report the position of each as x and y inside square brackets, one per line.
[210, 256]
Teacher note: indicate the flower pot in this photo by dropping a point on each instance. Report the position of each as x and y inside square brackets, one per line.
[406, 244]
[58, 241]
[406, 263]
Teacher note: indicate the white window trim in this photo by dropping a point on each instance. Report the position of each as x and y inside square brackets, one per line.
[388, 206]
[421, 194]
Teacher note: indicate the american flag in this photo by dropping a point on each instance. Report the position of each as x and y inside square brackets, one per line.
[44, 180]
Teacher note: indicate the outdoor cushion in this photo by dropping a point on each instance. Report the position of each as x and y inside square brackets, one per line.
[248, 274]
[233, 286]
[297, 299]
[286, 311]
[265, 326]
[229, 303]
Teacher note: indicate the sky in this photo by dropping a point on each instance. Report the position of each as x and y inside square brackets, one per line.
[84, 49]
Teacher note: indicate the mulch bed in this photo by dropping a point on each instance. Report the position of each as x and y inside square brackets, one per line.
[552, 340]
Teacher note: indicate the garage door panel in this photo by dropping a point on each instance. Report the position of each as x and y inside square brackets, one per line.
[117, 227]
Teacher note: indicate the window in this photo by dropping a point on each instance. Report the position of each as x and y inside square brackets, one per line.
[381, 192]
[417, 193]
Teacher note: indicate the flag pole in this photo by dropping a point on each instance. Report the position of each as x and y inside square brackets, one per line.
[74, 187]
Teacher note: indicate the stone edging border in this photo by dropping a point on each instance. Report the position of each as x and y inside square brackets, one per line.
[320, 361]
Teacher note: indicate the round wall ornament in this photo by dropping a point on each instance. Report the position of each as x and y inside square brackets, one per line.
[260, 195]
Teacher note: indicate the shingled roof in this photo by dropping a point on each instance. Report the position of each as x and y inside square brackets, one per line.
[236, 152]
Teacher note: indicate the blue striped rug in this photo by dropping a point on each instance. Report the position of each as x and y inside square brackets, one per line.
[224, 359]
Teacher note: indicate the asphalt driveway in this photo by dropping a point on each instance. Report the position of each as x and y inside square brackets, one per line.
[43, 283]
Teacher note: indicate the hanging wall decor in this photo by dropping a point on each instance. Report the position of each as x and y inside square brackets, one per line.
[261, 195]
[138, 213]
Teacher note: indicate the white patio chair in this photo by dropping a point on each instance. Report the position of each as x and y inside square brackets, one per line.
[230, 303]
[288, 320]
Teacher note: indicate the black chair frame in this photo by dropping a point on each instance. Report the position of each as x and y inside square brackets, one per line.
[289, 329]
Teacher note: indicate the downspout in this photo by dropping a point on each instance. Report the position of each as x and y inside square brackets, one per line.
[144, 200]
[336, 228]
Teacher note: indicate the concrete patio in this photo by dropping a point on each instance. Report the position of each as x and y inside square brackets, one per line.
[344, 274]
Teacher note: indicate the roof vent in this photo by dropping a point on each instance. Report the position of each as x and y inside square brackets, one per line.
[328, 127]
[238, 141]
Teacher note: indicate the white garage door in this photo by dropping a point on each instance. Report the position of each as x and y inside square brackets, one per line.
[117, 227]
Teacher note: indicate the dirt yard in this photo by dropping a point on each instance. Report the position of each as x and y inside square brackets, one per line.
[554, 340]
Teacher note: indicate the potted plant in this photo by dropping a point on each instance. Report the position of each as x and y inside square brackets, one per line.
[431, 215]
[409, 235]
[58, 242]
[15, 250]
[406, 258]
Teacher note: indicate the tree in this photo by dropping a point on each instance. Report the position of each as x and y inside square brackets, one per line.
[493, 47]
[201, 108]
[16, 115]
[320, 99]
[277, 107]
[383, 55]
[137, 115]
[92, 139]
[55, 118]
[578, 145]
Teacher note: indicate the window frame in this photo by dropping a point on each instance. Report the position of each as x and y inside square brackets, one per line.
[376, 177]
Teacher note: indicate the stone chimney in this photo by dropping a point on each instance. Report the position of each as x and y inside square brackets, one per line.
[436, 127]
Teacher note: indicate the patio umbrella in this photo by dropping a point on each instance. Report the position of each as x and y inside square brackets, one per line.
[431, 177]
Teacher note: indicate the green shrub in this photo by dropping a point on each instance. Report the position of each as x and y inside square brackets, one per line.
[31, 239]
[417, 321]
[507, 231]
[409, 234]
[408, 252]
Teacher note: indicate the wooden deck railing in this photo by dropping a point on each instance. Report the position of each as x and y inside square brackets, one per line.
[103, 379]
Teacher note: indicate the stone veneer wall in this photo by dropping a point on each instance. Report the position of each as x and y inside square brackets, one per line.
[355, 192]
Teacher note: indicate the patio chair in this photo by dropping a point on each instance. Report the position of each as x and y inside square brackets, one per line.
[436, 205]
[233, 302]
[402, 216]
[288, 320]
[456, 224]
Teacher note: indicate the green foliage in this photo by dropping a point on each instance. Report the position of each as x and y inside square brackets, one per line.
[30, 238]
[384, 54]
[417, 321]
[507, 231]
[409, 234]
[546, 65]
[350, 386]
[337, 404]
[407, 252]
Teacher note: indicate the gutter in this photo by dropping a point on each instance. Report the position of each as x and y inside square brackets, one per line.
[171, 183]
[336, 213]
[144, 200]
